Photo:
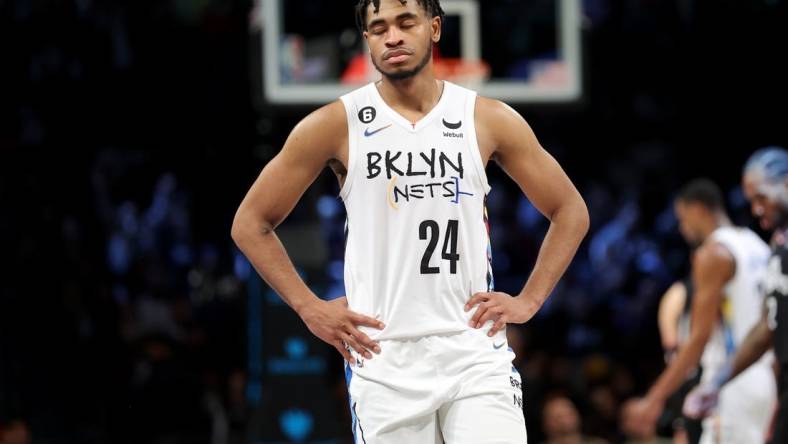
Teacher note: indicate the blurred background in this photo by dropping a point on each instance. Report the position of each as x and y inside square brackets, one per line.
[131, 130]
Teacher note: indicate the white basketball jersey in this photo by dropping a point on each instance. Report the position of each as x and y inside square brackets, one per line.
[417, 240]
[742, 301]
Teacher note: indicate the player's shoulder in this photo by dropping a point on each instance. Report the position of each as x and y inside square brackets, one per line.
[325, 122]
[500, 126]
[677, 289]
[323, 132]
[326, 117]
[494, 109]
[714, 256]
[713, 264]
[498, 115]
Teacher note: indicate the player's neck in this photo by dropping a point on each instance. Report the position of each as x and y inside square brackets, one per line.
[723, 221]
[719, 221]
[418, 94]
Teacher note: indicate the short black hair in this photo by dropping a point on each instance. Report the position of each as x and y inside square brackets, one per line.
[704, 192]
[433, 7]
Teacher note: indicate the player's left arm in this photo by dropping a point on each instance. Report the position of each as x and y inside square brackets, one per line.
[515, 148]
[712, 268]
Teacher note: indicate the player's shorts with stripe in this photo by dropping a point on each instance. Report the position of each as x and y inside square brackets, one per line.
[455, 388]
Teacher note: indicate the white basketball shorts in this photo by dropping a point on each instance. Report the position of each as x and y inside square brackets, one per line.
[745, 408]
[456, 388]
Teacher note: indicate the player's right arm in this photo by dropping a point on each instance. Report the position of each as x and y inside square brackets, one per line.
[702, 399]
[316, 140]
[713, 266]
[757, 342]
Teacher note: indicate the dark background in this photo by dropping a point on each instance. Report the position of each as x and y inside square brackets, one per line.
[130, 131]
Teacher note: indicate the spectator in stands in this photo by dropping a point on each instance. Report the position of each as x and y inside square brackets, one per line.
[562, 422]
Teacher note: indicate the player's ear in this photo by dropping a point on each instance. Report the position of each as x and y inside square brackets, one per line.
[437, 24]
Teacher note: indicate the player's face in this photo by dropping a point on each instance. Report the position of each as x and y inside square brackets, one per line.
[765, 200]
[689, 216]
[400, 38]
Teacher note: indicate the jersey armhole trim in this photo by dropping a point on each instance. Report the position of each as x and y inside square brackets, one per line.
[351, 147]
[470, 117]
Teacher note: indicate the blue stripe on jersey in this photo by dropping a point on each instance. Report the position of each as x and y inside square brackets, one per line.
[353, 419]
[348, 374]
[730, 343]
[490, 281]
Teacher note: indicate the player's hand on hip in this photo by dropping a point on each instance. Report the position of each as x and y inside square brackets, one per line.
[501, 308]
[335, 324]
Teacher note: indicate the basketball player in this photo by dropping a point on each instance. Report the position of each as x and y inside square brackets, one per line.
[765, 182]
[410, 153]
[673, 316]
[673, 321]
[726, 270]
